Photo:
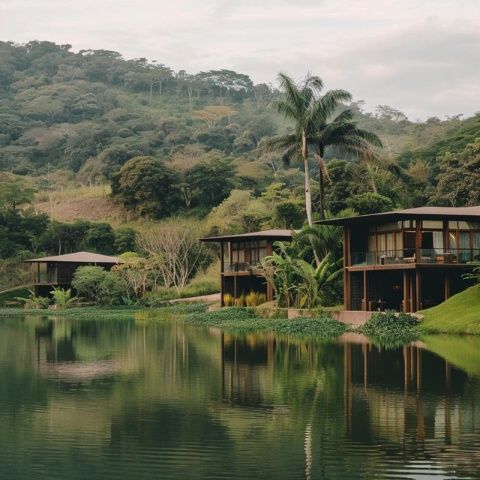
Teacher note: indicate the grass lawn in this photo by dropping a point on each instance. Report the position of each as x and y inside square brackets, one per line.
[459, 314]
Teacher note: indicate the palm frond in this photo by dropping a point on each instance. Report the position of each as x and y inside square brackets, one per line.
[325, 106]
[292, 95]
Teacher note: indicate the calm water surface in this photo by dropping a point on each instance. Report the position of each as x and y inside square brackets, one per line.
[144, 400]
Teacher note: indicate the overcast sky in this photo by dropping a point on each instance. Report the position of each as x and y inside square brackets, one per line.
[420, 56]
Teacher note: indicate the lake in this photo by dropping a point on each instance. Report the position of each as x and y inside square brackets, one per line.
[137, 399]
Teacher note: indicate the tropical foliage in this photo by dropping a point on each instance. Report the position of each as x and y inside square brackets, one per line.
[297, 282]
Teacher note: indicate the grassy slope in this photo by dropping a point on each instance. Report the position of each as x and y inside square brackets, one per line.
[8, 296]
[88, 203]
[459, 314]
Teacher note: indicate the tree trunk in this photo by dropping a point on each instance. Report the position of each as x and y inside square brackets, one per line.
[321, 183]
[308, 193]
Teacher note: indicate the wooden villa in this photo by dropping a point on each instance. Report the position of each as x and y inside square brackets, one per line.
[240, 257]
[408, 260]
[58, 271]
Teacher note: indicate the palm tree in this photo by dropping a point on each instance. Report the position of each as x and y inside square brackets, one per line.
[315, 129]
[298, 104]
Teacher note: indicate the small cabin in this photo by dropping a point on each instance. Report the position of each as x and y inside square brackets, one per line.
[408, 260]
[241, 256]
[58, 271]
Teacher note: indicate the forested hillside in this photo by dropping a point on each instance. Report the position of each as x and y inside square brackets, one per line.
[92, 135]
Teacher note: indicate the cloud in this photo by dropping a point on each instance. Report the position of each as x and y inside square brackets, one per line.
[419, 56]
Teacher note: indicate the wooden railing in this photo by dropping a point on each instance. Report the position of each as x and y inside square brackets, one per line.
[431, 255]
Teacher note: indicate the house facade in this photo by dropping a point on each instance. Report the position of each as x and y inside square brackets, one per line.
[408, 260]
[57, 271]
[240, 257]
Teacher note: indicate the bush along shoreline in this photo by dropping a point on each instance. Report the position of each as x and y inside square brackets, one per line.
[385, 329]
[246, 320]
[391, 329]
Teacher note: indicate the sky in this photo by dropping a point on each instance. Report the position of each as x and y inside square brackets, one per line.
[419, 56]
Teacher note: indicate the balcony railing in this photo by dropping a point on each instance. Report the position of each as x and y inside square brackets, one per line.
[232, 267]
[430, 255]
[45, 278]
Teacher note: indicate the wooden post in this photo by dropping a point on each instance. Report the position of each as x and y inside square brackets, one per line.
[418, 291]
[447, 285]
[405, 292]
[412, 292]
[365, 290]
[418, 243]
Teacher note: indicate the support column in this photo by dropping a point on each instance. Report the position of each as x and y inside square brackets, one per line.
[418, 243]
[411, 282]
[347, 294]
[222, 290]
[447, 285]
[235, 289]
[406, 291]
[418, 291]
[365, 290]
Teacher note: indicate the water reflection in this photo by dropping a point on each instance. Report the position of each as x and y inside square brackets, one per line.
[129, 398]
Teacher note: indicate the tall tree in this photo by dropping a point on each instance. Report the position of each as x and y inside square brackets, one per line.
[316, 130]
[298, 103]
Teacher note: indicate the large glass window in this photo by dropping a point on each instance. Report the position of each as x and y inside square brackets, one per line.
[452, 241]
[398, 242]
[409, 245]
[390, 244]
[476, 245]
[464, 253]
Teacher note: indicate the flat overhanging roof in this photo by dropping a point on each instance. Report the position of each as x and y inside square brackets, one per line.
[274, 234]
[428, 213]
[78, 257]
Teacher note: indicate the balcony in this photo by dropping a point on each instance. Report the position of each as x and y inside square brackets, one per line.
[241, 267]
[45, 278]
[434, 256]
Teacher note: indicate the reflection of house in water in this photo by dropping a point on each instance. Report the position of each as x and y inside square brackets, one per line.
[247, 363]
[404, 405]
[407, 397]
[57, 357]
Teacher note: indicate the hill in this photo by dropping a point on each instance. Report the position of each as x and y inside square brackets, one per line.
[458, 314]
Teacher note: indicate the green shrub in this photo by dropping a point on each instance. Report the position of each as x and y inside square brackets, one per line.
[112, 289]
[244, 320]
[33, 302]
[62, 298]
[96, 285]
[390, 329]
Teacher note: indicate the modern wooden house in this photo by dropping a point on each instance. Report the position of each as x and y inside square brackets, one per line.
[240, 258]
[408, 260]
[58, 271]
